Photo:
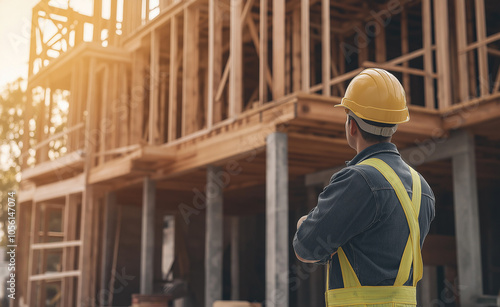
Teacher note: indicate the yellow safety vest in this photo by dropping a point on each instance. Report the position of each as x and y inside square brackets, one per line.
[398, 295]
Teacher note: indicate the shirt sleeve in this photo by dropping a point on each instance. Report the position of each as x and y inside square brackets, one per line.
[346, 207]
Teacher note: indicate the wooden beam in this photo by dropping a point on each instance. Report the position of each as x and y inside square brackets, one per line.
[147, 236]
[236, 64]
[467, 231]
[278, 49]
[60, 188]
[214, 236]
[154, 87]
[442, 53]
[482, 52]
[56, 245]
[172, 88]
[427, 43]
[54, 275]
[305, 36]
[325, 44]
[190, 66]
[263, 56]
[277, 241]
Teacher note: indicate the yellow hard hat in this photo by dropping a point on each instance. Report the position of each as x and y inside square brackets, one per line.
[378, 96]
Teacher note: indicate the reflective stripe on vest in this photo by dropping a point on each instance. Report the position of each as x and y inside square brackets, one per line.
[353, 294]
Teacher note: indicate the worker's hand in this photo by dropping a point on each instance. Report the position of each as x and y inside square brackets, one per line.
[302, 219]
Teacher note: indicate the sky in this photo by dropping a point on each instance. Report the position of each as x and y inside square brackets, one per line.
[15, 20]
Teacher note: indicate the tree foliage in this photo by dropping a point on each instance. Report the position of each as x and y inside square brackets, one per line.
[12, 101]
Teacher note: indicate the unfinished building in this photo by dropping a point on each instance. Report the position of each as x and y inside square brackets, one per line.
[198, 132]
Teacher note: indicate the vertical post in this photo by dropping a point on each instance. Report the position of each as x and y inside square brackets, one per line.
[482, 50]
[190, 66]
[214, 238]
[405, 48]
[325, 43]
[380, 46]
[147, 236]
[103, 130]
[277, 220]
[461, 33]
[305, 33]
[278, 49]
[263, 51]
[443, 53]
[427, 42]
[236, 65]
[137, 97]
[235, 258]
[110, 214]
[214, 109]
[172, 87]
[154, 82]
[296, 77]
[467, 222]
[96, 20]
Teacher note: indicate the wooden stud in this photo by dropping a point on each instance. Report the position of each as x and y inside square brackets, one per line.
[190, 66]
[172, 90]
[305, 36]
[32, 262]
[85, 266]
[380, 45]
[115, 255]
[137, 99]
[325, 43]
[154, 88]
[461, 34]
[482, 52]
[427, 46]
[442, 53]
[108, 236]
[214, 109]
[263, 56]
[296, 67]
[236, 60]
[103, 127]
[278, 49]
[405, 48]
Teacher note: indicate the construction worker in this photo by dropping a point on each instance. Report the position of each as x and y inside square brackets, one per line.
[371, 220]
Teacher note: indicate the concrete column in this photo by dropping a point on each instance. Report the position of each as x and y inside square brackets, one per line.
[277, 242]
[467, 222]
[147, 236]
[214, 238]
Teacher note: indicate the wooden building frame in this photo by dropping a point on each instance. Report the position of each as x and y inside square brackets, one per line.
[221, 97]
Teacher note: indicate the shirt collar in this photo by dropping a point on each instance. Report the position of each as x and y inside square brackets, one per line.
[372, 150]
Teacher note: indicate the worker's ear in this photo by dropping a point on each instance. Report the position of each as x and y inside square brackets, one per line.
[353, 127]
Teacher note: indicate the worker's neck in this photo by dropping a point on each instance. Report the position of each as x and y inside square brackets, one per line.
[361, 145]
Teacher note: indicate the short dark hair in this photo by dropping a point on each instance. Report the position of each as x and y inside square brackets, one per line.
[373, 138]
